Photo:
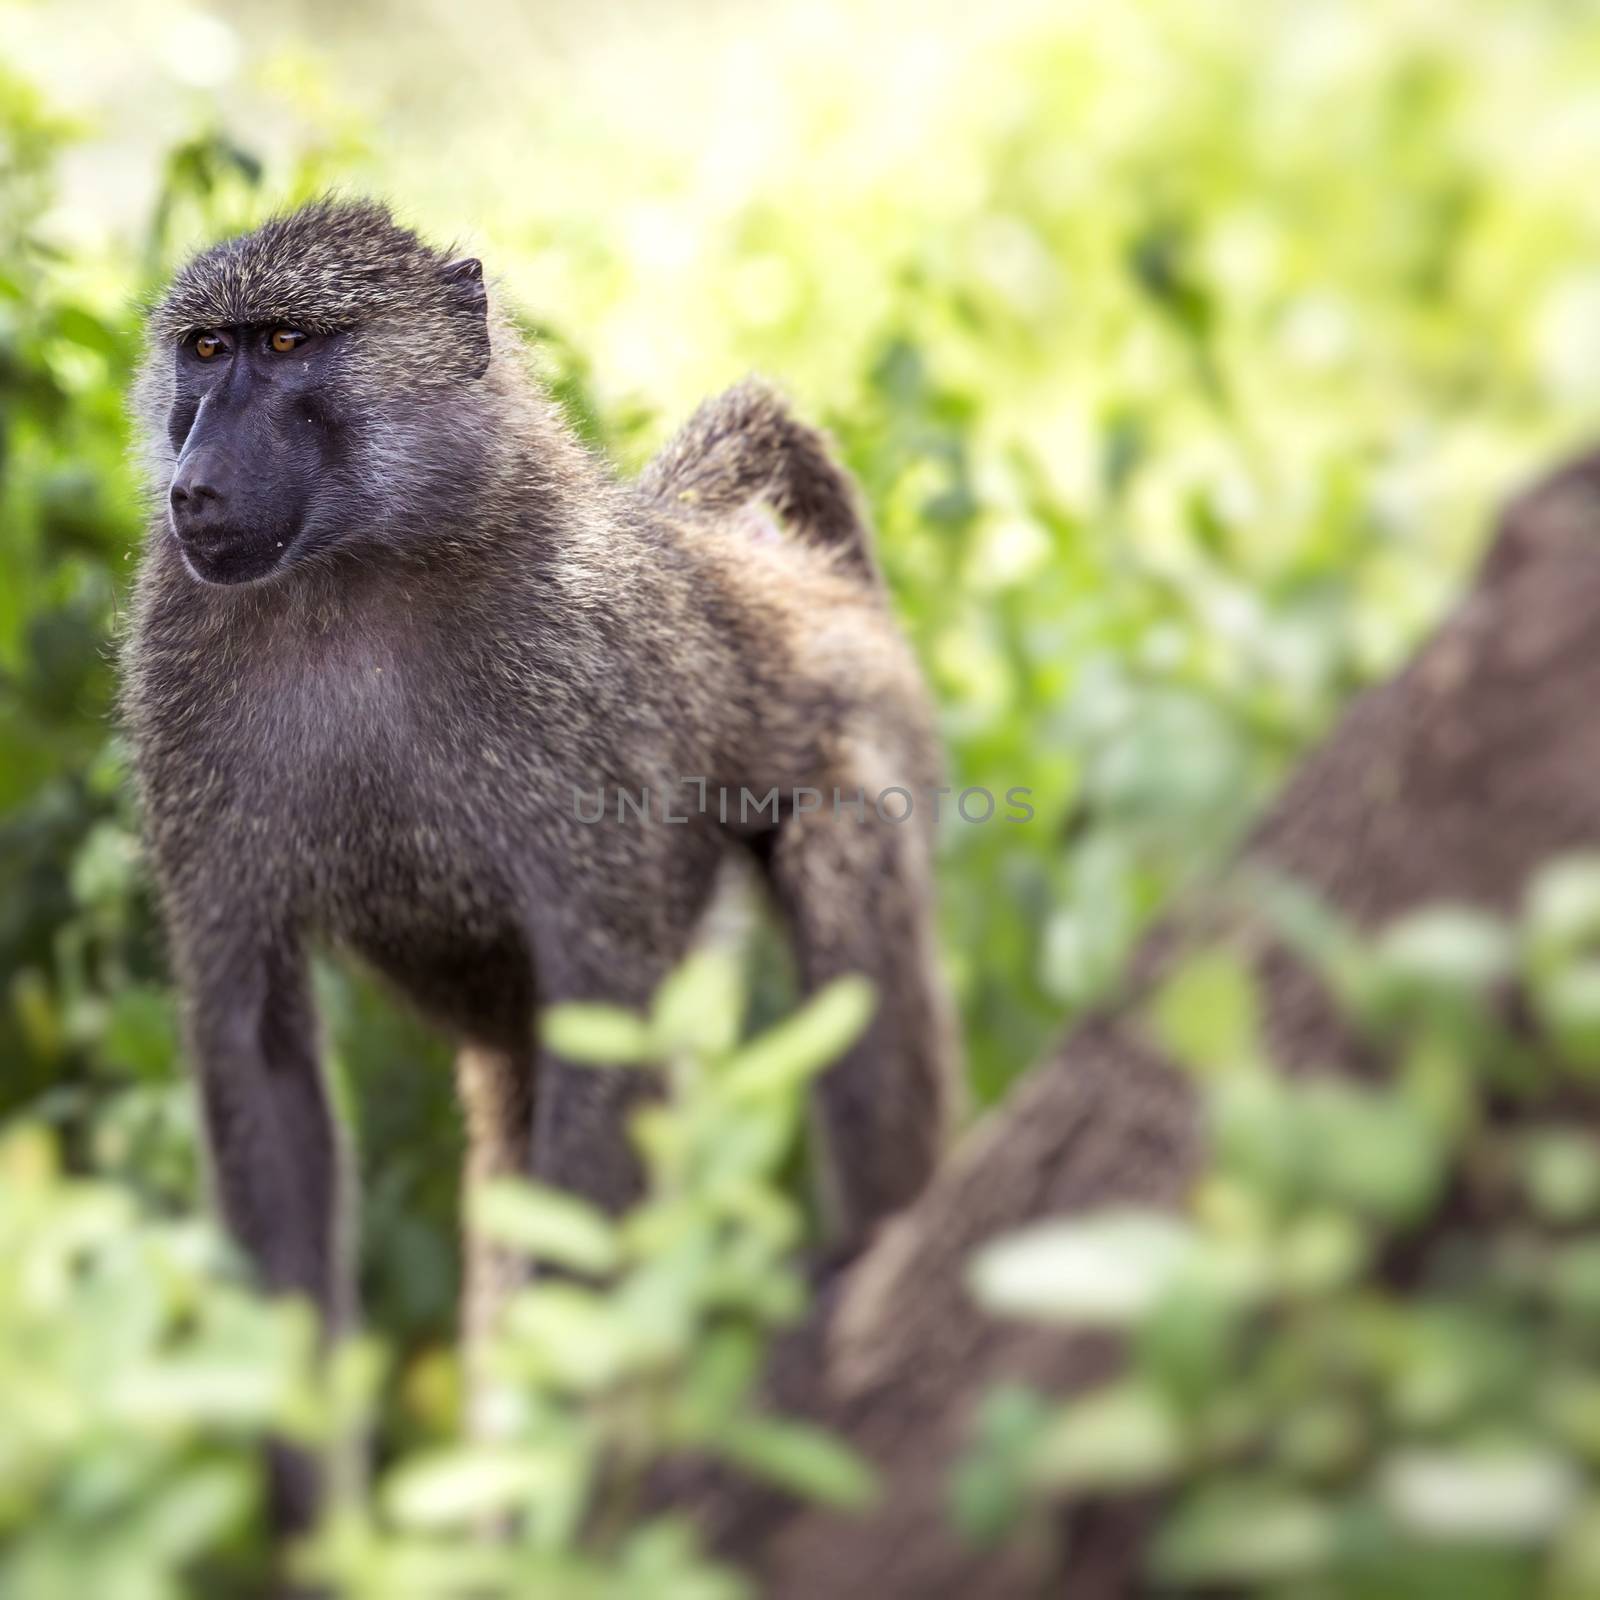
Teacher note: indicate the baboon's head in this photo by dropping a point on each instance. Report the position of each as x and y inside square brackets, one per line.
[314, 384]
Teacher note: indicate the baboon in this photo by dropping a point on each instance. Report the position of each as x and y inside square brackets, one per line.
[395, 628]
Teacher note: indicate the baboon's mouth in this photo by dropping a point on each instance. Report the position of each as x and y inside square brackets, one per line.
[229, 556]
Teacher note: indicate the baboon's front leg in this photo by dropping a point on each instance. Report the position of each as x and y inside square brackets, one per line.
[581, 1113]
[275, 1152]
[857, 897]
[613, 942]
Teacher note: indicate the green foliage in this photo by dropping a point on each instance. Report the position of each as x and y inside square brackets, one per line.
[651, 1352]
[1363, 1363]
[70, 925]
[139, 1372]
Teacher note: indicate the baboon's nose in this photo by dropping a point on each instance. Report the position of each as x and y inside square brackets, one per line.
[199, 488]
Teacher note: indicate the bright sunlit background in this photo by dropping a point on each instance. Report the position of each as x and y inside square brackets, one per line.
[1183, 350]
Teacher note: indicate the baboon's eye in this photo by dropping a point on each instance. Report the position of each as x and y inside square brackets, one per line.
[207, 345]
[286, 339]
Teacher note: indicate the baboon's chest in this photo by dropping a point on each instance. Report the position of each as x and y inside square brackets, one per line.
[397, 811]
[402, 840]
[407, 874]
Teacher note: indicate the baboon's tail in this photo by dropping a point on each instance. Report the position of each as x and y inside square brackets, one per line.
[745, 453]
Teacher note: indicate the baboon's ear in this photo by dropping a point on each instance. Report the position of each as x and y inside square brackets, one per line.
[464, 278]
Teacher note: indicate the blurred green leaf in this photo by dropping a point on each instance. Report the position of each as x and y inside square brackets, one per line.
[1243, 1532]
[1562, 1174]
[800, 1047]
[1206, 1014]
[1485, 1496]
[545, 1224]
[1369, 1151]
[1567, 1002]
[467, 1485]
[699, 1007]
[802, 1459]
[1104, 1269]
[1445, 953]
[1121, 1437]
[597, 1035]
[1563, 907]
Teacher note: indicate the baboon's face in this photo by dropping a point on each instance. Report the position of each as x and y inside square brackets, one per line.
[257, 426]
[323, 391]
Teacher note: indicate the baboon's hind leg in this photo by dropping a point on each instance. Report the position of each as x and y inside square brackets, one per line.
[496, 1087]
[857, 898]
